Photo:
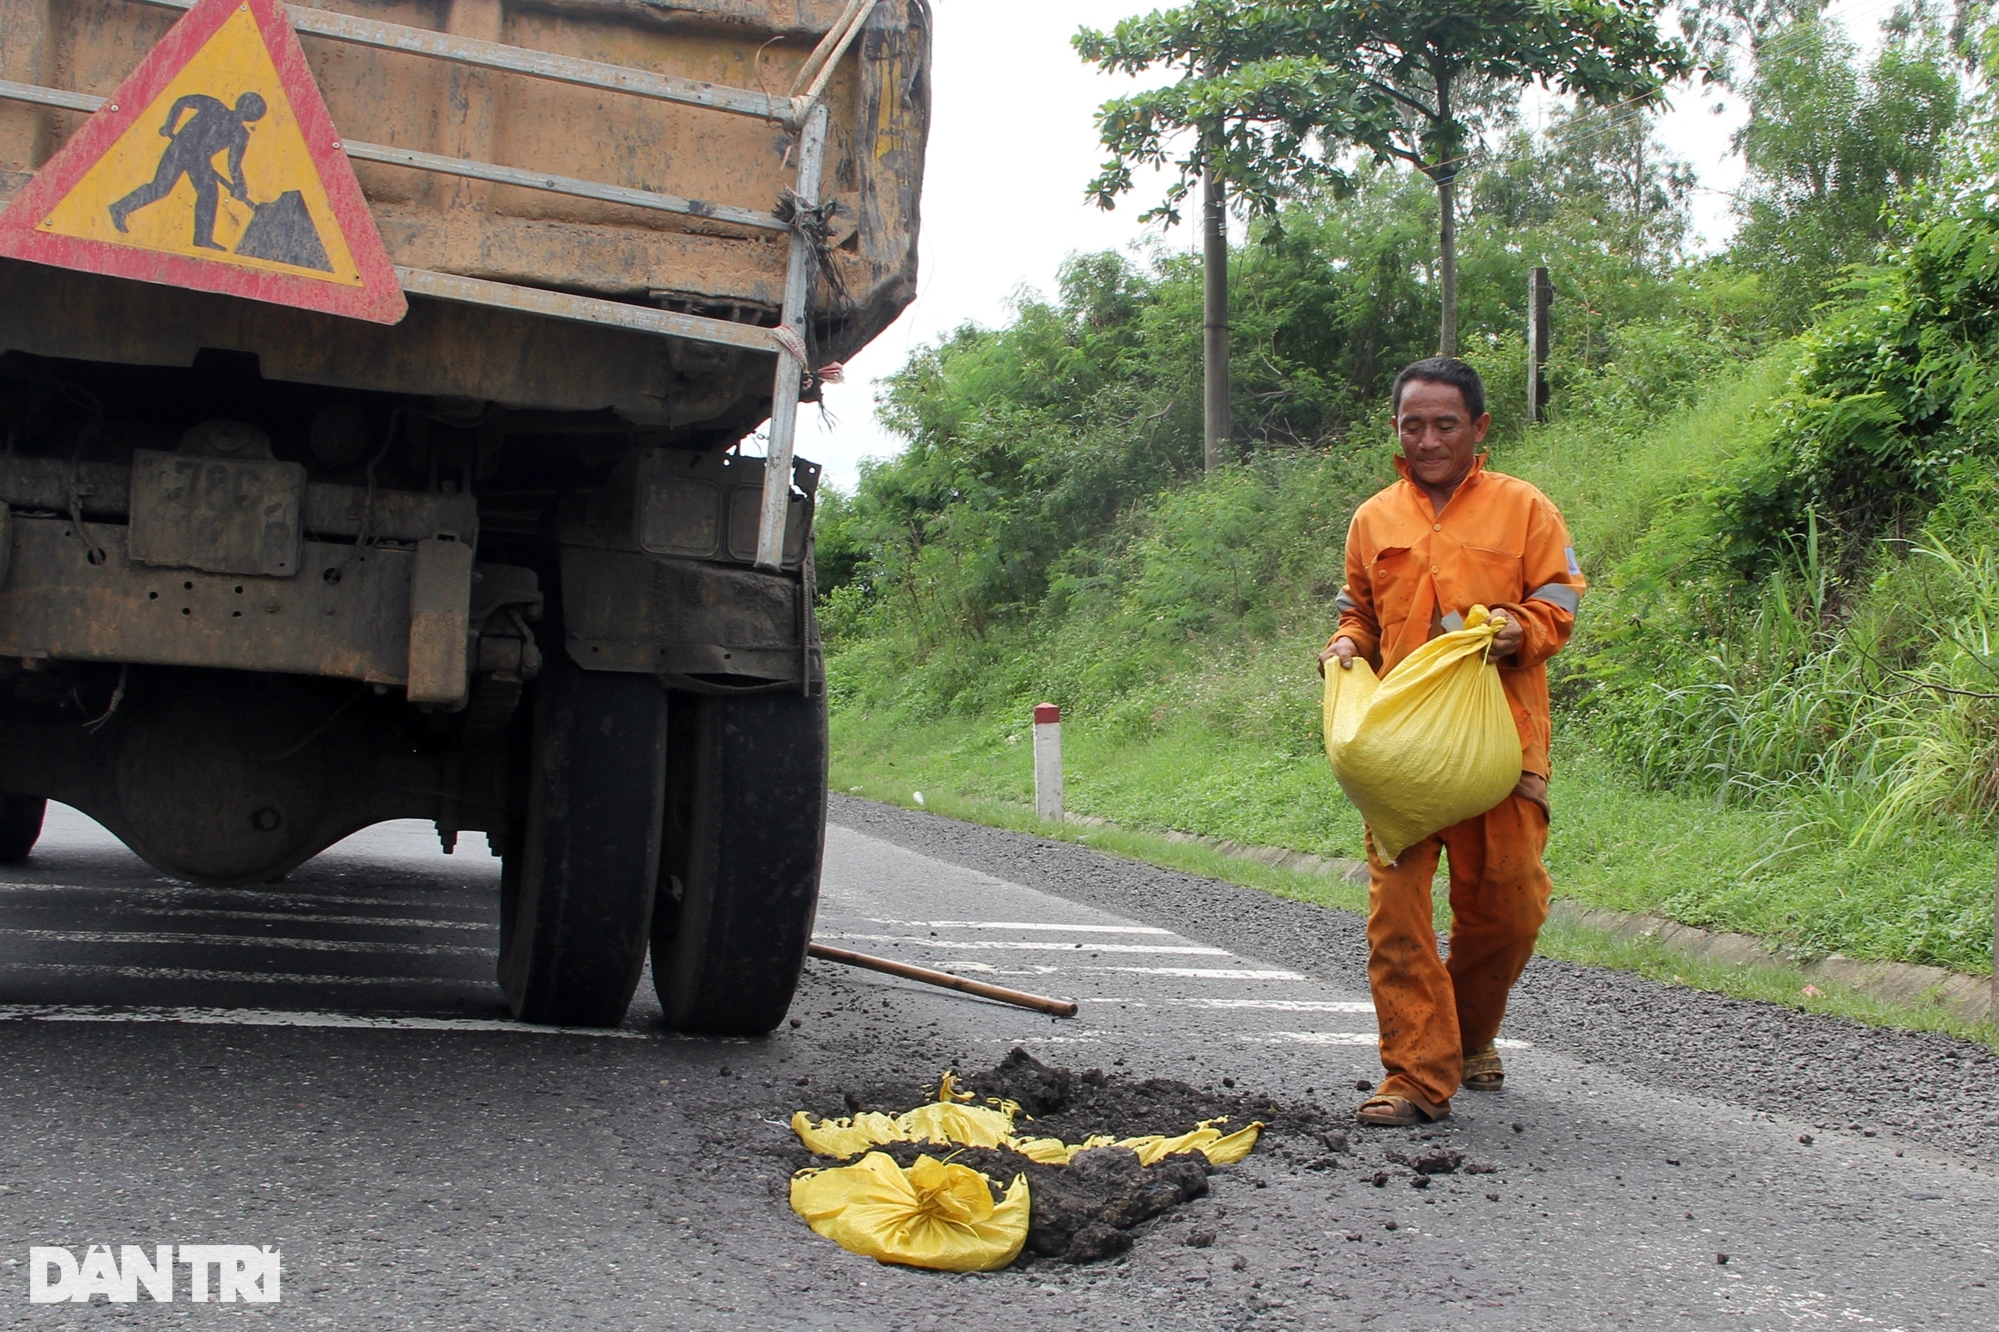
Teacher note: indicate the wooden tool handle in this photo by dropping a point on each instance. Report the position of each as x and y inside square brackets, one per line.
[1040, 1004]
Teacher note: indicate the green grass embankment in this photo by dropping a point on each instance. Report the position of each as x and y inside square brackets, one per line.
[1612, 845]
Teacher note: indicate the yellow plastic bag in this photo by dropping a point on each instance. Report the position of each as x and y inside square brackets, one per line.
[933, 1215]
[1432, 745]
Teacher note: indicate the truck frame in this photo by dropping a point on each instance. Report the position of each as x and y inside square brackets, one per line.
[269, 576]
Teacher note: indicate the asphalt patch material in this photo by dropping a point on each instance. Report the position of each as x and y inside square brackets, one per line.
[1087, 1210]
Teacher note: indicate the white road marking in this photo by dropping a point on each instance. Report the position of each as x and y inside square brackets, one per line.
[1203, 973]
[229, 913]
[1348, 1038]
[271, 1017]
[259, 897]
[1024, 945]
[253, 977]
[242, 941]
[1017, 925]
[1283, 1005]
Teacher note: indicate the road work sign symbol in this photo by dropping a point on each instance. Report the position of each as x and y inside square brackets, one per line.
[215, 166]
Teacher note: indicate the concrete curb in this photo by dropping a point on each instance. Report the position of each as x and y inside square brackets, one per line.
[1968, 997]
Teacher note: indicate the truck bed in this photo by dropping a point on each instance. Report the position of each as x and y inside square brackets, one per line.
[699, 262]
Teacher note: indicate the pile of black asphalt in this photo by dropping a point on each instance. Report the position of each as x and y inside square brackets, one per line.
[1105, 1201]
[1831, 1071]
[1096, 1206]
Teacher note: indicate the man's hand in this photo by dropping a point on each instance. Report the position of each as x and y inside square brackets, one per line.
[1342, 648]
[1507, 641]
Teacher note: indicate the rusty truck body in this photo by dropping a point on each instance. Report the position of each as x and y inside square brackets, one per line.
[273, 575]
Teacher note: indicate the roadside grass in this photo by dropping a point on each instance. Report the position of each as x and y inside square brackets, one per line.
[1612, 486]
[1614, 845]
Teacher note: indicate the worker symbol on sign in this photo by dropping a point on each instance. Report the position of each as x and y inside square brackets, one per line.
[281, 230]
[191, 148]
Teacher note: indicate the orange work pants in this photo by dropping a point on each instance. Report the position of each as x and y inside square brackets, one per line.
[1433, 1012]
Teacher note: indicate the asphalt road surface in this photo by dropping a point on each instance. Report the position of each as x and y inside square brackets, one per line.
[325, 1066]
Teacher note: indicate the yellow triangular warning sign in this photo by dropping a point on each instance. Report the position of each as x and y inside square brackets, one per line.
[197, 173]
[214, 166]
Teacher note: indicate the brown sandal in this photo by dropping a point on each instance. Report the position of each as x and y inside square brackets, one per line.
[1483, 1071]
[1387, 1110]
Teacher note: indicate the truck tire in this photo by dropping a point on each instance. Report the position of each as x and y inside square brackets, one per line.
[577, 878]
[20, 826]
[745, 831]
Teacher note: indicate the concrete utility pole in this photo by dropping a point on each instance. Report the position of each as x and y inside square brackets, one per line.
[1214, 313]
[1540, 298]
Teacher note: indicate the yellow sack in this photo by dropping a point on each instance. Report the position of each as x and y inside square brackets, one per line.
[1433, 745]
[941, 1121]
[932, 1215]
[1220, 1149]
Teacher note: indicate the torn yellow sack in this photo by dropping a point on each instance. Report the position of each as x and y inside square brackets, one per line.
[941, 1121]
[955, 1124]
[933, 1215]
[1211, 1142]
[1432, 745]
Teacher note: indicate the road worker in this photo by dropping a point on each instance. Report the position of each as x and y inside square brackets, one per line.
[1450, 535]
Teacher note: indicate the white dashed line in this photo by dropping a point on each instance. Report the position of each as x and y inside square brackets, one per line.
[269, 1017]
[229, 913]
[252, 896]
[249, 977]
[242, 941]
[1021, 945]
[1283, 1005]
[1203, 973]
[1347, 1038]
[1015, 925]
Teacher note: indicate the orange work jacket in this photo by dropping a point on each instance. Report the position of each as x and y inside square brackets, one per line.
[1499, 542]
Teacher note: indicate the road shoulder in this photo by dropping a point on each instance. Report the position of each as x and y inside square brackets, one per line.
[1827, 1070]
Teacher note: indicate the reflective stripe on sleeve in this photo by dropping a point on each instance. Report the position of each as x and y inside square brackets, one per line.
[1344, 603]
[1568, 597]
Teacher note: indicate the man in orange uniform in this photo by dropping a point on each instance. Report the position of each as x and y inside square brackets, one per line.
[1448, 536]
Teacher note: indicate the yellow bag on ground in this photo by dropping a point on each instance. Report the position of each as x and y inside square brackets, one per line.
[932, 1215]
[941, 1121]
[1432, 745]
[1220, 1149]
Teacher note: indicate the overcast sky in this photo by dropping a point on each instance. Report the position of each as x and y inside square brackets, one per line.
[1012, 144]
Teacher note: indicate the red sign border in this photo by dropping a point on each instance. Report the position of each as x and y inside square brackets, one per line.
[380, 297]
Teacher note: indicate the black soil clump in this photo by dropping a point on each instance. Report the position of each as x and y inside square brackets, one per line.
[1087, 1210]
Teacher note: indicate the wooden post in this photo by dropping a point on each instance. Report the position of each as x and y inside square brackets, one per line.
[1048, 762]
[1540, 297]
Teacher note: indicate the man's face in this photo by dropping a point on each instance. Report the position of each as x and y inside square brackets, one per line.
[1438, 435]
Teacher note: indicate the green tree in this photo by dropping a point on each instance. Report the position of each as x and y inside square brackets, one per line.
[1828, 144]
[1408, 77]
[1234, 114]
[1310, 80]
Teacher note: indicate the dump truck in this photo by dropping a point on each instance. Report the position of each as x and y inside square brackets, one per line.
[480, 535]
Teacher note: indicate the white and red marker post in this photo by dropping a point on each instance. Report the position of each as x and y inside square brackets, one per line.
[1048, 762]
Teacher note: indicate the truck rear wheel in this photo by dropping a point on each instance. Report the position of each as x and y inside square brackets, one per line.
[745, 830]
[577, 879]
[20, 826]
